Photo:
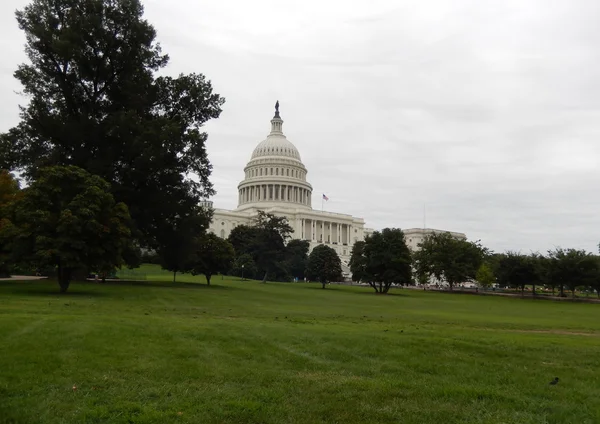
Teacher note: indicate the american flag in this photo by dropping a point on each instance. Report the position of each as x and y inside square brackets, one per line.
[325, 197]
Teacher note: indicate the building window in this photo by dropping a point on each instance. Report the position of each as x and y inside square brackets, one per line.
[222, 223]
[277, 171]
[223, 234]
[288, 172]
[271, 171]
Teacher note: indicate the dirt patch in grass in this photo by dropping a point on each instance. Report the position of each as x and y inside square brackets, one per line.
[559, 332]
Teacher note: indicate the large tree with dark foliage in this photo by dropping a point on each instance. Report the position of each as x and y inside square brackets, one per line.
[517, 270]
[9, 191]
[68, 219]
[296, 256]
[448, 258]
[358, 262]
[571, 268]
[265, 240]
[243, 238]
[324, 265]
[387, 260]
[96, 102]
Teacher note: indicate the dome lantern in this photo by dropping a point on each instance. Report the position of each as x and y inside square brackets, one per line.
[275, 174]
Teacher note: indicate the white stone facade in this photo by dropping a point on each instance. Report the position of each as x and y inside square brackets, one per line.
[414, 236]
[275, 182]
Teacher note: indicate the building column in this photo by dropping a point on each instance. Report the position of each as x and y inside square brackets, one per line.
[322, 231]
[330, 232]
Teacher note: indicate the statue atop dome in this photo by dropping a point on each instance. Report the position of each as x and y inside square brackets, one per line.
[277, 109]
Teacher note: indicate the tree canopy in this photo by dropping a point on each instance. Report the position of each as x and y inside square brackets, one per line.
[485, 276]
[9, 191]
[96, 102]
[178, 245]
[358, 262]
[448, 259]
[324, 265]
[69, 220]
[265, 240]
[296, 257]
[211, 255]
[388, 259]
[517, 270]
[571, 268]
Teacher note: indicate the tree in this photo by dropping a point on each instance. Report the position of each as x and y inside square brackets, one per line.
[571, 268]
[243, 239]
[358, 262]
[387, 260]
[269, 244]
[212, 255]
[244, 266]
[9, 191]
[448, 258]
[324, 265]
[265, 240]
[68, 219]
[595, 277]
[296, 257]
[485, 277]
[517, 270]
[96, 103]
[179, 244]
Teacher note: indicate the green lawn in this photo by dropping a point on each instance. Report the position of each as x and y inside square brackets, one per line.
[245, 352]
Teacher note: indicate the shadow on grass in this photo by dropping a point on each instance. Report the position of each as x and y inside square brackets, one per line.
[92, 288]
[166, 284]
[390, 293]
[47, 288]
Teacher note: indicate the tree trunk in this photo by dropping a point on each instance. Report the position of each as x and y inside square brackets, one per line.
[208, 279]
[174, 273]
[265, 277]
[533, 290]
[562, 291]
[323, 284]
[573, 293]
[64, 278]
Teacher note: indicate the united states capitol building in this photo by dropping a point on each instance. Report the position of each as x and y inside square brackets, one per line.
[275, 181]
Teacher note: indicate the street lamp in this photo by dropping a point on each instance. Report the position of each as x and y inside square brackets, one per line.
[242, 272]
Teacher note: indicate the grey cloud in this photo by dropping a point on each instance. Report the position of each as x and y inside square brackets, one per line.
[485, 112]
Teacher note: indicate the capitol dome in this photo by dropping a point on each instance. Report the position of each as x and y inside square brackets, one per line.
[275, 174]
[276, 145]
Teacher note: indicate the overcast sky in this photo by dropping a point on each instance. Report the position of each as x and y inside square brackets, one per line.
[486, 113]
